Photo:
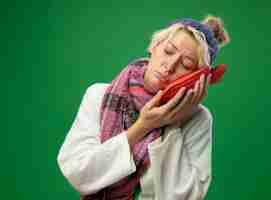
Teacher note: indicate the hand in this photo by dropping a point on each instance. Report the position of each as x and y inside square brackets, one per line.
[177, 110]
[201, 89]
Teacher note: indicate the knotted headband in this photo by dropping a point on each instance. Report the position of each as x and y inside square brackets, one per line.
[205, 30]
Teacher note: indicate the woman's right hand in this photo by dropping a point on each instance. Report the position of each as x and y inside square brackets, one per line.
[154, 116]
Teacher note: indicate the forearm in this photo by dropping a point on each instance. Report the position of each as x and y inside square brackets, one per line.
[136, 132]
[91, 167]
[88, 164]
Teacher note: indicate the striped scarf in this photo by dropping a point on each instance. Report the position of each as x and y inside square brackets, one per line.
[121, 104]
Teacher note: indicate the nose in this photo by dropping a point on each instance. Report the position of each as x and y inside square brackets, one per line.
[172, 64]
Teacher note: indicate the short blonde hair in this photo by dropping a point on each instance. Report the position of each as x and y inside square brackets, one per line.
[168, 33]
[216, 25]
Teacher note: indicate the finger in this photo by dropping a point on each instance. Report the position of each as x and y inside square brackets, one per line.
[208, 81]
[184, 102]
[196, 92]
[155, 100]
[175, 100]
[207, 85]
[201, 88]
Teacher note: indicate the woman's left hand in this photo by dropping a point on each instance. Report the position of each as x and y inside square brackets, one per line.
[200, 91]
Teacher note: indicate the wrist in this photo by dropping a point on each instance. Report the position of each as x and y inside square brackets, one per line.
[136, 132]
[142, 125]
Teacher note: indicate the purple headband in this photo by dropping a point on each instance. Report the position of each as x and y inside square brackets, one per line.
[209, 35]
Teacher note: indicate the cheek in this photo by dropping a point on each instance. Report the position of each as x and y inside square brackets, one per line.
[158, 58]
[179, 72]
[150, 81]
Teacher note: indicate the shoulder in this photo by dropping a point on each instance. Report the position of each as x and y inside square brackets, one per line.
[202, 120]
[96, 91]
[205, 114]
[199, 129]
[96, 88]
[94, 94]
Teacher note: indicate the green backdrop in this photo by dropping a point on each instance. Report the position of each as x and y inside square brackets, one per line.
[51, 51]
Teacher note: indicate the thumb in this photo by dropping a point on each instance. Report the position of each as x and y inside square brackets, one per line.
[155, 100]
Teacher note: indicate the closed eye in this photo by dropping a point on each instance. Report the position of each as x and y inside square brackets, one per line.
[168, 52]
[188, 63]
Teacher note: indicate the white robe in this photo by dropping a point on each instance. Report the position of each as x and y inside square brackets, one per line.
[180, 160]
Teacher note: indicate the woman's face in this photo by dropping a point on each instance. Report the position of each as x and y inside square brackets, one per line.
[169, 60]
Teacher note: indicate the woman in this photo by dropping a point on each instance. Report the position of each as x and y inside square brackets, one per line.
[124, 145]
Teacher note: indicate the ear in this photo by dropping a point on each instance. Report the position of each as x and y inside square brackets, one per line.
[152, 49]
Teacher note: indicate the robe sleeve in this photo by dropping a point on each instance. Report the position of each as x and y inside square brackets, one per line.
[181, 163]
[87, 164]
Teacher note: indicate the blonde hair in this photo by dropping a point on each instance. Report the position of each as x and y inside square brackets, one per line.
[214, 23]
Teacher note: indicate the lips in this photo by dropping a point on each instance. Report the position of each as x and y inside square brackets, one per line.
[160, 77]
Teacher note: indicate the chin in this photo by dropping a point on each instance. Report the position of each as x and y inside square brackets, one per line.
[152, 87]
[153, 84]
[156, 86]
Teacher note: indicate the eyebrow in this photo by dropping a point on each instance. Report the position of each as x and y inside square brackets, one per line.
[192, 58]
[173, 45]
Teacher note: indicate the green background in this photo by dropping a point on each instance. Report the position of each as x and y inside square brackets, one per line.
[51, 51]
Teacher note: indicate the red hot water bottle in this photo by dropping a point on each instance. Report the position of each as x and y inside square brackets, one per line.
[189, 80]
